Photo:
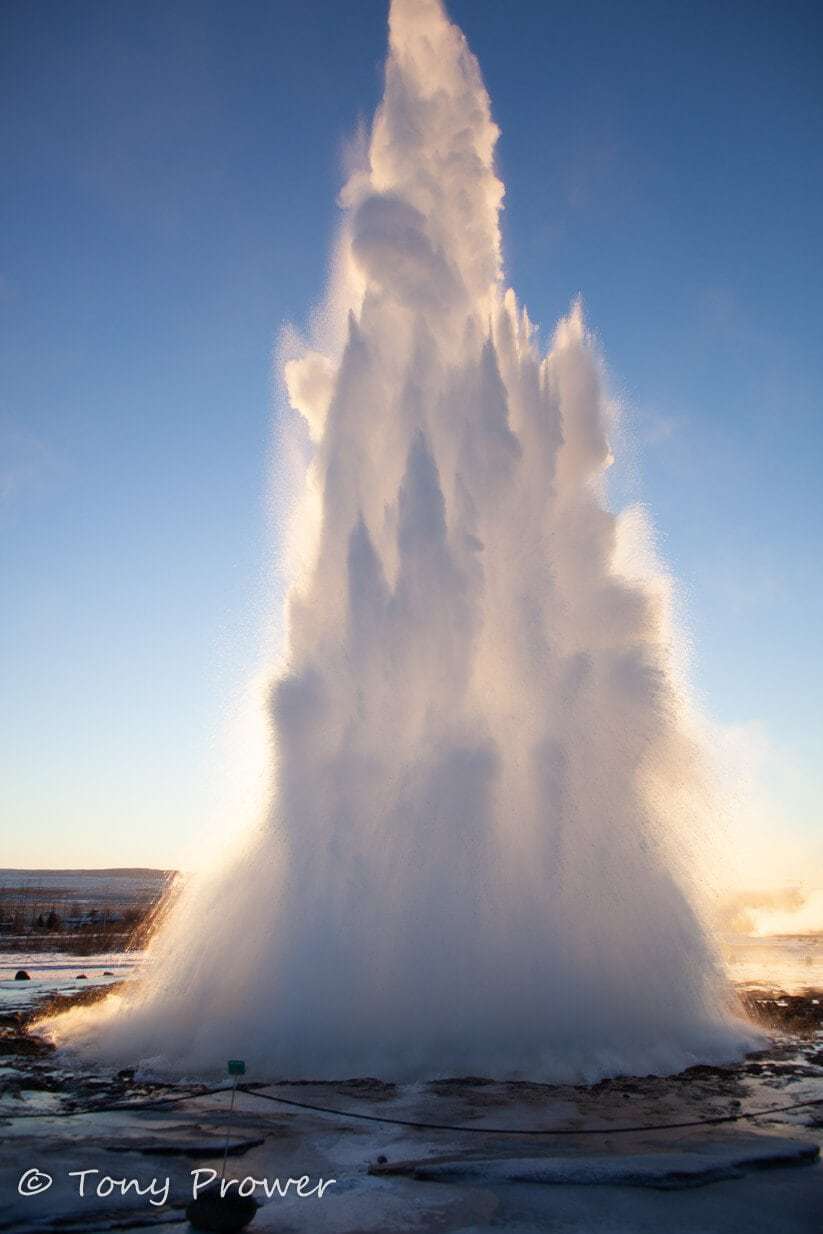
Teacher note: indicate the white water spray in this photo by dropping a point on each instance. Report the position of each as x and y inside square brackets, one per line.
[475, 858]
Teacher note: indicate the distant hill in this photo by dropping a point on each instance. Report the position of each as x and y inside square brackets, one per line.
[123, 885]
[103, 872]
[81, 910]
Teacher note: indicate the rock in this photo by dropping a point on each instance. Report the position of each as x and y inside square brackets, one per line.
[222, 1214]
[81, 977]
[107, 972]
[21, 975]
[25, 1046]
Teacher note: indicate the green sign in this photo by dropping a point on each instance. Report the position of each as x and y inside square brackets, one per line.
[236, 1066]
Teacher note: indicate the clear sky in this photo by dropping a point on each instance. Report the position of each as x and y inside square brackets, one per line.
[170, 172]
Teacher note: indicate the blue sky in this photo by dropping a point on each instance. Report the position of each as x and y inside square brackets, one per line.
[170, 177]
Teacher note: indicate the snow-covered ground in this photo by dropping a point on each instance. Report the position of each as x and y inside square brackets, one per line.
[58, 972]
[789, 962]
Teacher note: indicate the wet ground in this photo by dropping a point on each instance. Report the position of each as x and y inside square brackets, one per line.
[479, 1171]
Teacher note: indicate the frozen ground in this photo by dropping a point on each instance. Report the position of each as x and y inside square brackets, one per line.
[56, 972]
[758, 1177]
[788, 962]
[752, 1177]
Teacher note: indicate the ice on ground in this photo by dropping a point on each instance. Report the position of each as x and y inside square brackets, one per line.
[668, 1170]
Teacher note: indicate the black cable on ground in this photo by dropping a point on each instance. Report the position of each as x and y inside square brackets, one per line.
[402, 1122]
[163, 1102]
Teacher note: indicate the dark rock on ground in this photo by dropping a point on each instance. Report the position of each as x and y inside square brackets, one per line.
[795, 1013]
[212, 1211]
[21, 1044]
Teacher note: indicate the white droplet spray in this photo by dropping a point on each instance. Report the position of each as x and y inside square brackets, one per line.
[474, 859]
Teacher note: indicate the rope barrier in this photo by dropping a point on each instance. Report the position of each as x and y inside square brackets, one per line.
[163, 1102]
[541, 1131]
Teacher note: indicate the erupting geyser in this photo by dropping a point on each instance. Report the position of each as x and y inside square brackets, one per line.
[474, 859]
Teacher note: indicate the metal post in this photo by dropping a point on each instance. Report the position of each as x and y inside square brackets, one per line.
[228, 1129]
[236, 1067]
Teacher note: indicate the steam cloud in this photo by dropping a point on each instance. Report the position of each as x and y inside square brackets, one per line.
[476, 854]
[781, 909]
